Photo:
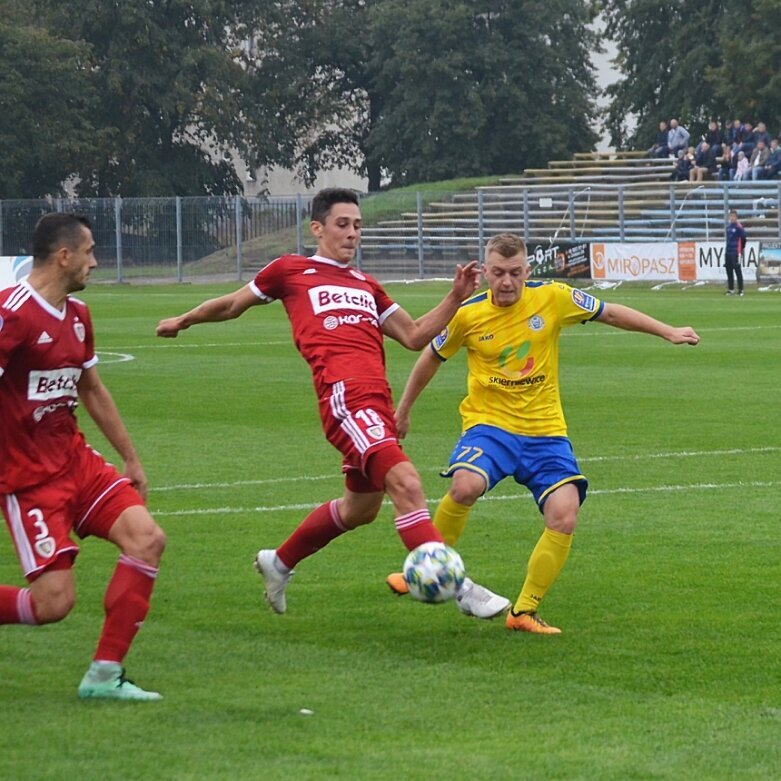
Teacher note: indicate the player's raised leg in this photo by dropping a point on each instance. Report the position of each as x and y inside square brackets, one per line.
[450, 520]
[324, 524]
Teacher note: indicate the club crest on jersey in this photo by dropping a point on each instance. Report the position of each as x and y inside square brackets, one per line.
[376, 432]
[357, 275]
[79, 330]
[584, 300]
[536, 323]
[45, 547]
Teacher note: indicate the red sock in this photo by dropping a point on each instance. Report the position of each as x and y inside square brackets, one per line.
[321, 526]
[16, 606]
[126, 604]
[415, 528]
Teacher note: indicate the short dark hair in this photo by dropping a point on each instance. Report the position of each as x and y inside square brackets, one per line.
[325, 199]
[732, 211]
[55, 229]
[508, 245]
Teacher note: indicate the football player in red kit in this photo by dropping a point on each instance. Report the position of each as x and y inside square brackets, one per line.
[339, 317]
[51, 482]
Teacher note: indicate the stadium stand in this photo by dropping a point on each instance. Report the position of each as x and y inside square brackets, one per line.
[598, 196]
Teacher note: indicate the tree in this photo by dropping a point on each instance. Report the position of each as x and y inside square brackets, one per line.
[697, 61]
[171, 81]
[48, 104]
[748, 81]
[424, 89]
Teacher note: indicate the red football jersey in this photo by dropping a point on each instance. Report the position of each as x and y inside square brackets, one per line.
[336, 313]
[43, 351]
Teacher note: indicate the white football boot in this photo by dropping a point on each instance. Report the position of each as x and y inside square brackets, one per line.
[275, 582]
[476, 600]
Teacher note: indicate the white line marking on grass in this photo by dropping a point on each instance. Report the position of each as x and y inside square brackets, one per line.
[490, 498]
[116, 357]
[591, 459]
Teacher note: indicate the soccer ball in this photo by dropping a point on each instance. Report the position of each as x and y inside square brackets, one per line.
[434, 572]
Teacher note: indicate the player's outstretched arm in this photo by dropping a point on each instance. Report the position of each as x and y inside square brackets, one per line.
[632, 320]
[101, 407]
[226, 307]
[416, 334]
[422, 373]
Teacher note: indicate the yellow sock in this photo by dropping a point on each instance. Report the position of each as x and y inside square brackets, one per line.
[548, 557]
[450, 519]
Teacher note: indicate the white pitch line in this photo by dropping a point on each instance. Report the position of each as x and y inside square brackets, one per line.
[490, 498]
[587, 459]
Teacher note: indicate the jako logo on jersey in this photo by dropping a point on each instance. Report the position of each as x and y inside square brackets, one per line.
[331, 322]
[512, 354]
[536, 323]
[79, 330]
[309, 271]
[54, 384]
[326, 298]
[584, 300]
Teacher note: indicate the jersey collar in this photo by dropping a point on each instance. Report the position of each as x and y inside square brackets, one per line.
[44, 304]
[329, 261]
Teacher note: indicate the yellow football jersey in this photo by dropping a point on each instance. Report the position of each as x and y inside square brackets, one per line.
[513, 356]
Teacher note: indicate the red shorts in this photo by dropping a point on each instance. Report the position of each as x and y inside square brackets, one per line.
[358, 420]
[87, 499]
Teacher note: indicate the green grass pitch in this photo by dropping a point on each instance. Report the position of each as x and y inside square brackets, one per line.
[669, 664]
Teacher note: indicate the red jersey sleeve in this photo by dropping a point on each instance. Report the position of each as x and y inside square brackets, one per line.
[269, 282]
[386, 306]
[12, 333]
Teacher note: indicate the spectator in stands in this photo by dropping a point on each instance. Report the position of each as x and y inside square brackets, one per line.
[749, 140]
[773, 163]
[742, 170]
[659, 148]
[735, 135]
[683, 166]
[759, 157]
[761, 134]
[714, 136]
[727, 164]
[677, 138]
[704, 163]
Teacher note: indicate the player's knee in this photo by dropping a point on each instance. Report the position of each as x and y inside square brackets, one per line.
[466, 488]
[53, 605]
[146, 543]
[403, 484]
[153, 545]
[355, 518]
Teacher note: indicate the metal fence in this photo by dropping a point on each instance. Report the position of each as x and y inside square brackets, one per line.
[406, 234]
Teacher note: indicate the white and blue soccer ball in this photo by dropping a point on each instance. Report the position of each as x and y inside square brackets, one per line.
[434, 572]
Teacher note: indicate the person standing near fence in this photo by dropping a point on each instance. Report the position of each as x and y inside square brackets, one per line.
[733, 253]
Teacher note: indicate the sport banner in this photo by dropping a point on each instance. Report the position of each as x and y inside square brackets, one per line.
[635, 262]
[769, 267]
[560, 260]
[709, 260]
[14, 268]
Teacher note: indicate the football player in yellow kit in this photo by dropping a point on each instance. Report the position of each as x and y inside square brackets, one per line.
[513, 423]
